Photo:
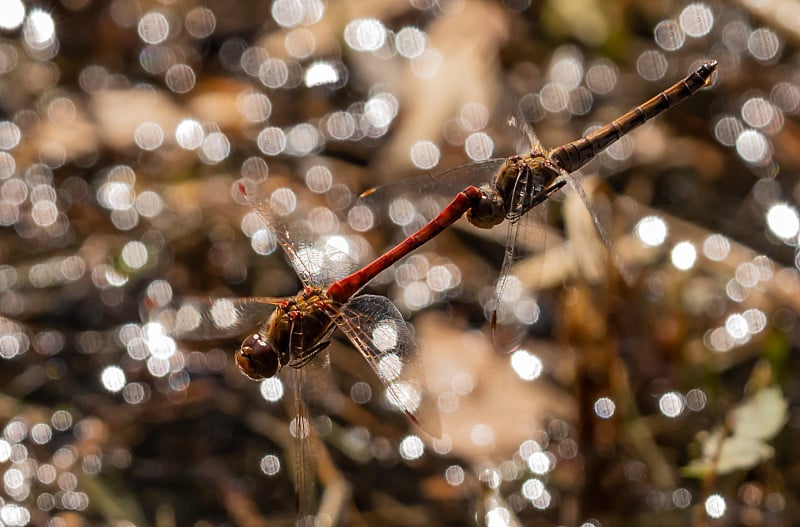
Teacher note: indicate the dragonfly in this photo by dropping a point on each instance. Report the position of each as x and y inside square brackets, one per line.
[286, 334]
[506, 189]
[289, 333]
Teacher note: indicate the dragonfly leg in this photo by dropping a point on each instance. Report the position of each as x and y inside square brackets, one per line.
[546, 193]
[310, 354]
[537, 199]
[307, 335]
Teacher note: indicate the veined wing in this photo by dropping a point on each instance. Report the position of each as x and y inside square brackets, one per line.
[203, 318]
[311, 390]
[378, 331]
[304, 436]
[427, 194]
[513, 312]
[318, 259]
[526, 128]
[602, 228]
[446, 182]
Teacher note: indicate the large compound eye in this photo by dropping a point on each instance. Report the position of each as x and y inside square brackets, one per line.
[257, 358]
[487, 213]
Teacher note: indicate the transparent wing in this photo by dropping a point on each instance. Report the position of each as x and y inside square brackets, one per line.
[317, 258]
[302, 431]
[602, 228]
[427, 195]
[203, 318]
[513, 312]
[524, 126]
[508, 328]
[378, 331]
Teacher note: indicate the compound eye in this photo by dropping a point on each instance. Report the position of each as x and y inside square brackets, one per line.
[257, 358]
[487, 213]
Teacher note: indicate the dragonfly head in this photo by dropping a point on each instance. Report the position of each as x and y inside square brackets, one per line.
[488, 211]
[257, 357]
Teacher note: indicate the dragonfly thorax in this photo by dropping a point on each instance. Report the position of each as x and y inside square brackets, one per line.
[524, 182]
[297, 330]
[519, 185]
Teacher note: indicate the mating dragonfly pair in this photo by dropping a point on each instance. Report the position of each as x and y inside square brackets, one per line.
[292, 331]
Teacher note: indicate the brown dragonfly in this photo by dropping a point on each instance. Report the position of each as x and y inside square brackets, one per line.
[506, 189]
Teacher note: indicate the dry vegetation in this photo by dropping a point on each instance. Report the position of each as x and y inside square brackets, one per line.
[666, 398]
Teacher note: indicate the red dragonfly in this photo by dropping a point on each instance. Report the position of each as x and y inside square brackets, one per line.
[506, 189]
[294, 331]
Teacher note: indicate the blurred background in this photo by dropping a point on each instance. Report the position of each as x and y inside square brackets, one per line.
[655, 384]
